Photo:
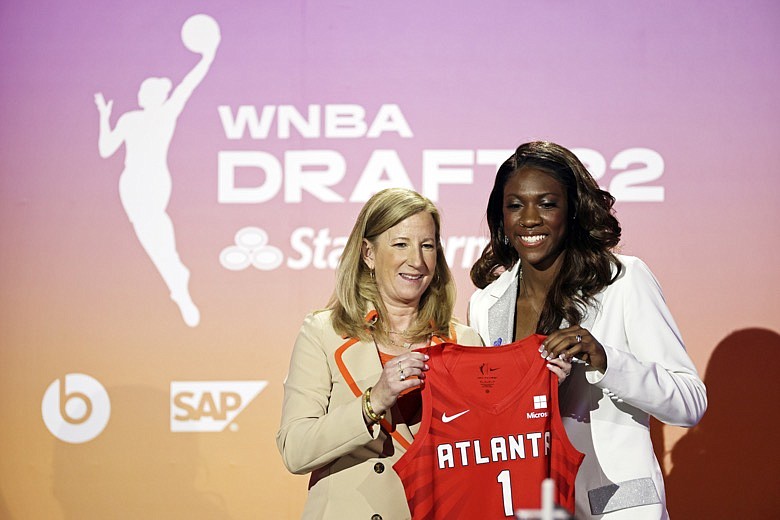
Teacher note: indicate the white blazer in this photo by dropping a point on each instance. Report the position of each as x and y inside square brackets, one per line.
[607, 415]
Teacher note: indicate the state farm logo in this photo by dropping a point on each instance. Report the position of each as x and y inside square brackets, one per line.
[251, 248]
[210, 406]
[75, 408]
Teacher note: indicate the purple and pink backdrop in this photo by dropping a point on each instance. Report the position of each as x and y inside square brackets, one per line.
[307, 109]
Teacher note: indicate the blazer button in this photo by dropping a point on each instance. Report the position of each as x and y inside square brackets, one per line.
[376, 517]
[379, 468]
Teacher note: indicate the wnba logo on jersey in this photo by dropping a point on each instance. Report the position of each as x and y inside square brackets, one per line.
[75, 408]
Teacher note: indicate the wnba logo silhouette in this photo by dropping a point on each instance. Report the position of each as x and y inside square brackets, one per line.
[76, 408]
[145, 183]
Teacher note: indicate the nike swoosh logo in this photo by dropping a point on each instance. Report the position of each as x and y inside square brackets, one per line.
[445, 418]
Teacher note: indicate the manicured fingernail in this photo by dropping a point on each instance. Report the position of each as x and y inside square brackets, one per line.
[544, 353]
[426, 357]
[541, 347]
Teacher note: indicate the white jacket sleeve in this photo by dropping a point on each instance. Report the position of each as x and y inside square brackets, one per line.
[652, 371]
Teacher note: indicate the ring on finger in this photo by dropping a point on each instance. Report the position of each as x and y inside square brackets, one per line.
[578, 338]
[403, 376]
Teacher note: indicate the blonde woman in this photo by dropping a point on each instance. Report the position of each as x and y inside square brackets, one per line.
[351, 399]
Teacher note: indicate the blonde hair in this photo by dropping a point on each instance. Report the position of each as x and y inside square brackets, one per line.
[356, 288]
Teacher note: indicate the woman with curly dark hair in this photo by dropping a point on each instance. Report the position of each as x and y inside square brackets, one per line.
[550, 268]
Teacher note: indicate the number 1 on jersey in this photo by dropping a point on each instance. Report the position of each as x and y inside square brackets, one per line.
[506, 490]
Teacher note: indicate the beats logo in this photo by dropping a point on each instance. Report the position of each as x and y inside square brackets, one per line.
[76, 408]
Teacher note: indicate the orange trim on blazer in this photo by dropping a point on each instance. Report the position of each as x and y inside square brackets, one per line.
[339, 354]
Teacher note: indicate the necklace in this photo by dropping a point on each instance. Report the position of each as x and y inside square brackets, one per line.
[523, 289]
[406, 344]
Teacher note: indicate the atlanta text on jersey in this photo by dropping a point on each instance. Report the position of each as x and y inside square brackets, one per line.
[511, 447]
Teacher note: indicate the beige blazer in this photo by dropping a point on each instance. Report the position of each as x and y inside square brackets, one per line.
[322, 430]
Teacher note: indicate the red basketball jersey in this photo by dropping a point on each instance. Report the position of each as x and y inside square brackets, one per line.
[491, 433]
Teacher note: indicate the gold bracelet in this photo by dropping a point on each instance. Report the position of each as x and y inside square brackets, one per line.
[368, 409]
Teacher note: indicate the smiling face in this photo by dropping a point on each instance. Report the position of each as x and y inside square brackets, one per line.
[535, 219]
[403, 259]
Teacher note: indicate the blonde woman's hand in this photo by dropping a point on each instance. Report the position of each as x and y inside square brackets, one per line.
[395, 379]
[560, 367]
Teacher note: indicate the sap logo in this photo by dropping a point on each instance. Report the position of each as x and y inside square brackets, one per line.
[75, 408]
[210, 406]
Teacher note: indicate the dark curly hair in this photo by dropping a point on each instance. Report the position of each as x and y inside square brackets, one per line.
[593, 232]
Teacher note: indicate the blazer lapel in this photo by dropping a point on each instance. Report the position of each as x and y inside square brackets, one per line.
[360, 366]
[501, 315]
[592, 312]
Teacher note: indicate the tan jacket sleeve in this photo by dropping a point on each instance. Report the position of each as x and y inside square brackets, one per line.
[314, 429]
